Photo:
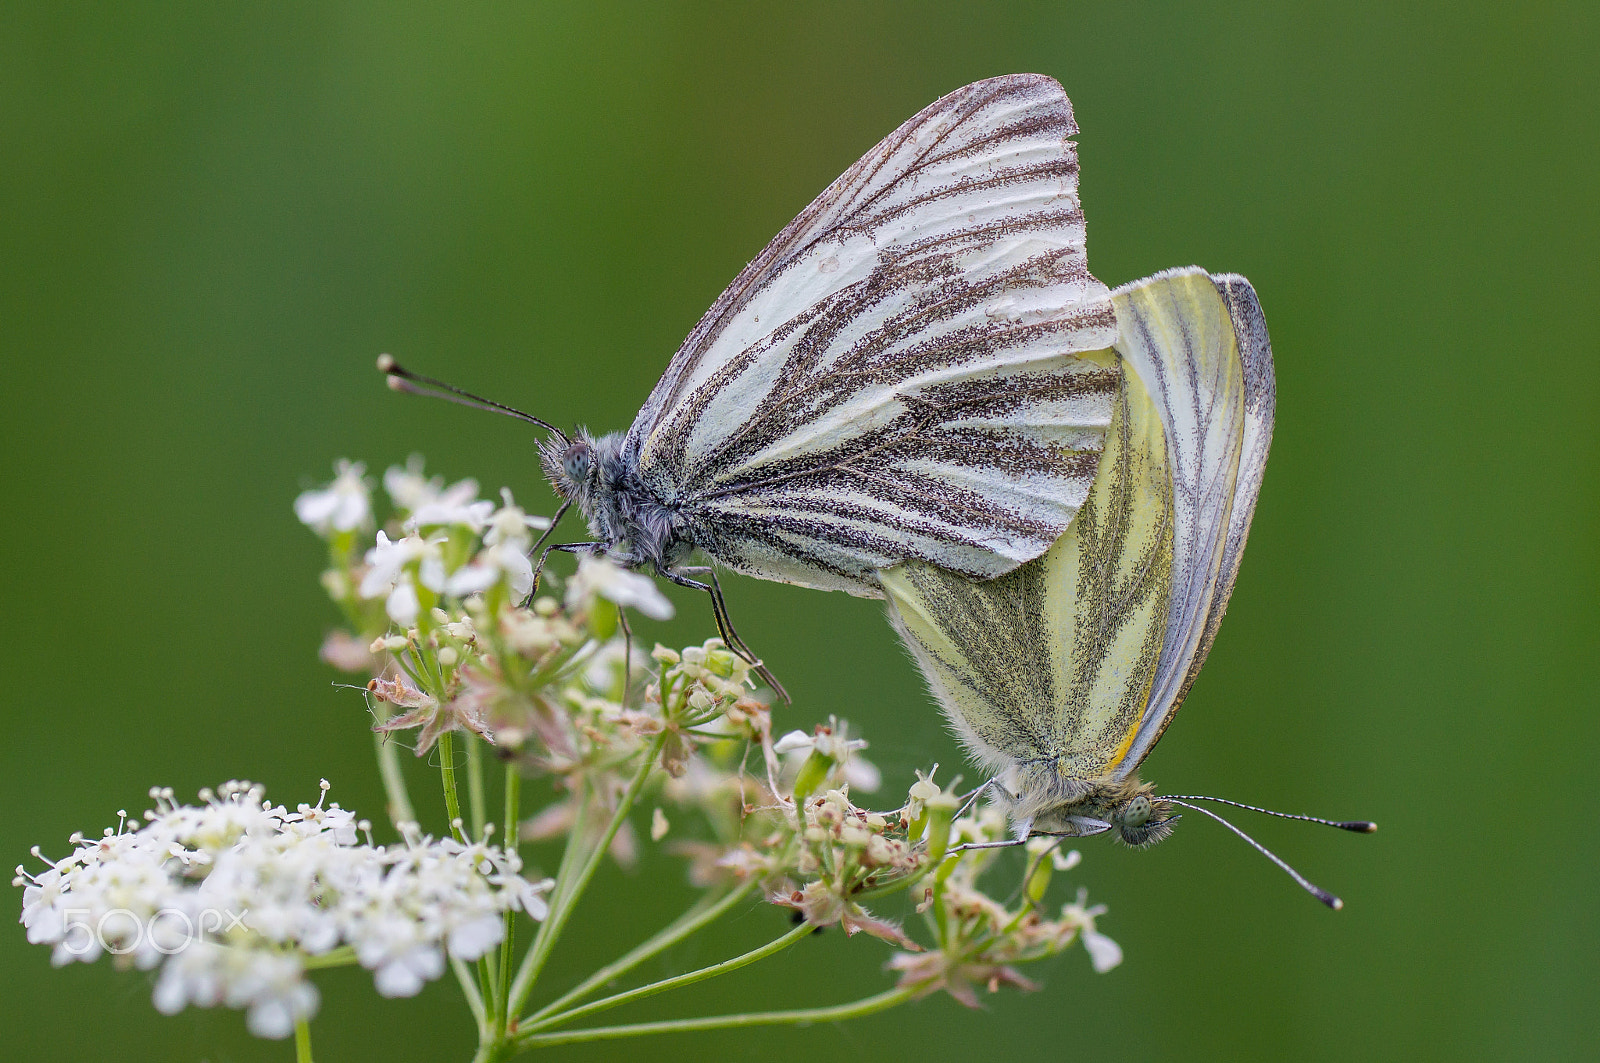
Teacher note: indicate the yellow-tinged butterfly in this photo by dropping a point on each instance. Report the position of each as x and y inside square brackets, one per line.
[1061, 675]
[895, 377]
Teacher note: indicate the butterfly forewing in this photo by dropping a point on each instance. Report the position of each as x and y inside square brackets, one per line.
[898, 375]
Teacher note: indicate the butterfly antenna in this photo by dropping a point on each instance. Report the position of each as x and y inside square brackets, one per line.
[403, 379]
[1359, 826]
[1306, 884]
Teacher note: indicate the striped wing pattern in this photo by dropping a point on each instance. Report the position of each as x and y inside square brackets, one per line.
[899, 374]
[1070, 667]
[1045, 671]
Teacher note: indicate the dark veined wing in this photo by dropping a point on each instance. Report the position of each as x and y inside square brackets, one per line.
[1200, 342]
[1045, 672]
[898, 374]
[1072, 665]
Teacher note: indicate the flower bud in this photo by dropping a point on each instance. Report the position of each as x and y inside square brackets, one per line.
[812, 775]
[941, 810]
[1041, 868]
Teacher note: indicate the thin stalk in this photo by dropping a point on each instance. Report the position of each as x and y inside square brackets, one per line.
[888, 889]
[690, 922]
[476, 802]
[488, 991]
[343, 956]
[771, 948]
[797, 1017]
[513, 814]
[394, 781]
[447, 772]
[302, 1041]
[470, 989]
[566, 898]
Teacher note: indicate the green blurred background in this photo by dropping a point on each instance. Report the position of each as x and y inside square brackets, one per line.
[213, 216]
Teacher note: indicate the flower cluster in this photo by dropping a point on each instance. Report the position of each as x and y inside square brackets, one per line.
[981, 940]
[439, 616]
[459, 634]
[556, 686]
[235, 900]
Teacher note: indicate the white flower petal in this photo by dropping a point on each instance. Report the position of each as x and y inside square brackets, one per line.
[793, 742]
[1104, 953]
[403, 605]
[474, 939]
[861, 774]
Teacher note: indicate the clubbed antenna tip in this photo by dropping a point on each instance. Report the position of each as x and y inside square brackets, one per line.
[403, 379]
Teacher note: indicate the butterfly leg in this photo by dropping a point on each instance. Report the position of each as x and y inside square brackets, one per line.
[972, 798]
[561, 511]
[719, 604]
[964, 846]
[725, 628]
[538, 569]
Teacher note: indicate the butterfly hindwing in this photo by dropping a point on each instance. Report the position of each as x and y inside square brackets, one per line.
[1065, 671]
[898, 375]
[1048, 668]
[1202, 344]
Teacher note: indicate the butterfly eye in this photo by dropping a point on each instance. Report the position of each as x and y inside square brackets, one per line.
[1136, 813]
[576, 462]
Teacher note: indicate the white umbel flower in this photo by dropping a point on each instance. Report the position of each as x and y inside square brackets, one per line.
[598, 577]
[504, 555]
[428, 503]
[393, 569]
[1104, 954]
[342, 506]
[833, 741]
[231, 896]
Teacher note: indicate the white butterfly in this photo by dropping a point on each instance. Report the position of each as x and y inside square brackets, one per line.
[900, 375]
[1062, 675]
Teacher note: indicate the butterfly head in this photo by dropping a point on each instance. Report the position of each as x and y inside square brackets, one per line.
[1142, 820]
[1075, 806]
[572, 466]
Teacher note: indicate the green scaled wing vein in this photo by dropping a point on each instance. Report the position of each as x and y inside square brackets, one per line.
[1071, 665]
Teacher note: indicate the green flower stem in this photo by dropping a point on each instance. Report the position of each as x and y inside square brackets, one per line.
[394, 780]
[798, 1017]
[489, 992]
[771, 948]
[690, 922]
[343, 956]
[888, 889]
[476, 802]
[302, 1041]
[447, 772]
[513, 814]
[469, 989]
[566, 896]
